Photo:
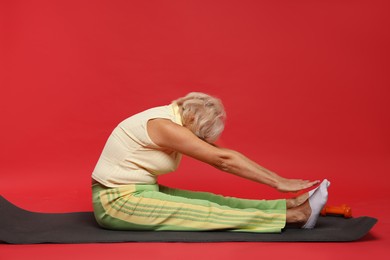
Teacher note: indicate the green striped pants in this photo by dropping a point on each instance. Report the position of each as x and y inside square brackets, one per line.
[155, 207]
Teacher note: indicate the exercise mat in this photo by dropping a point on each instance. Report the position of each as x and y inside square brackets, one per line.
[18, 226]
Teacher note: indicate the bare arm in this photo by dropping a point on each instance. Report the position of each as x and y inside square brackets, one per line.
[174, 137]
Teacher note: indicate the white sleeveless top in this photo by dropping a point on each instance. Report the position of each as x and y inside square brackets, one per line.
[131, 157]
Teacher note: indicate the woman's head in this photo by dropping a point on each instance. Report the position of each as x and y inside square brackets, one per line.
[203, 114]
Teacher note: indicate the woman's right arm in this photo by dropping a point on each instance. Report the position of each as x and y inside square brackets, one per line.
[174, 137]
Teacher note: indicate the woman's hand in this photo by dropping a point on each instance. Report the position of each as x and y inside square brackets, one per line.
[294, 185]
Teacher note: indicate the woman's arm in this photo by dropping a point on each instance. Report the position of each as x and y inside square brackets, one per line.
[174, 137]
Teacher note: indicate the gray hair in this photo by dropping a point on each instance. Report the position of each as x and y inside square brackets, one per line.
[203, 114]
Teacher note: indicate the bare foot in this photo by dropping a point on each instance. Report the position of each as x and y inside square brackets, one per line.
[295, 202]
[299, 215]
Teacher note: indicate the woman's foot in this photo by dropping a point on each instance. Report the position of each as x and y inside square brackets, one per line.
[297, 217]
[317, 201]
[296, 202]
[306, 214]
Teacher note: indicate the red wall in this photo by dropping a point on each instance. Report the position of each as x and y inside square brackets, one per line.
[305, 85]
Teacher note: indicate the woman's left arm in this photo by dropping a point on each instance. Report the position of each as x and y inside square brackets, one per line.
[241, 165]
[174, 137]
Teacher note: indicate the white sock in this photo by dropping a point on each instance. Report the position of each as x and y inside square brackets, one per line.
[317, 200]
[324, 182]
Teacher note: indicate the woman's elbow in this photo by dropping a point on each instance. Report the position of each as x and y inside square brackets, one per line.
[222, 165]
[225, 162]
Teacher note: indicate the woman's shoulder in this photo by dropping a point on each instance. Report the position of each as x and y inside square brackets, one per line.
[151, 113]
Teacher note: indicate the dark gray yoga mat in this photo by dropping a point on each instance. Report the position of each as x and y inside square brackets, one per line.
[18, 226]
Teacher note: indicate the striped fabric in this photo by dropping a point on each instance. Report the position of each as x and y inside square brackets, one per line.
[154, 207]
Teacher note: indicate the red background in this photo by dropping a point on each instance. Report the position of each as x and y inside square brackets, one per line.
[305, 85]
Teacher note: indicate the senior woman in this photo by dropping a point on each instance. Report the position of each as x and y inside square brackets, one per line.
[127, 196]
